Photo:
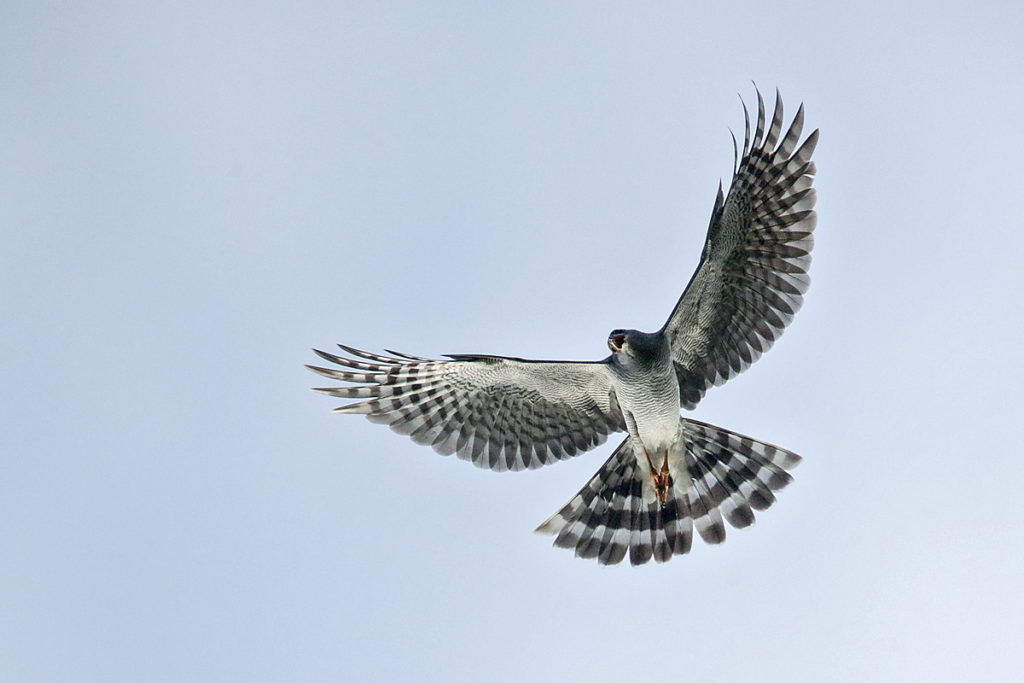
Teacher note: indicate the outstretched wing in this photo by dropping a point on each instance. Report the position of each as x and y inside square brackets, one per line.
[500, 413]
[753, 270]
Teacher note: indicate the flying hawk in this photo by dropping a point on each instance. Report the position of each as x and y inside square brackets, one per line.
[671, 474]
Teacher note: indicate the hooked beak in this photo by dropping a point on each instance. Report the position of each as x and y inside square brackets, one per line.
[616, 341]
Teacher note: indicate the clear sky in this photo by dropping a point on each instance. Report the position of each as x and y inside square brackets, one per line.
[193, 194]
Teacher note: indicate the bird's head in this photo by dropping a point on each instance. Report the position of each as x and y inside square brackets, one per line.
[618, 339]
[636, 346]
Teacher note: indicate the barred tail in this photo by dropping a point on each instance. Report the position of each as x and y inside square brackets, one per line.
[727, 476]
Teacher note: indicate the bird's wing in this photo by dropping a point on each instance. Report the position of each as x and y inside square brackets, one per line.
[753, 270]
[500, 413]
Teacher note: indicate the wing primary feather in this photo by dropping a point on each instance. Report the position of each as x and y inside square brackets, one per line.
[735, 155]
[372, 356]
[406, 356]
[756, 142]
[746, 127]
[350, 362]
[776, 126]
[788, 143]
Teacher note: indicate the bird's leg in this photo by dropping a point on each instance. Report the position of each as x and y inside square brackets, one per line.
[664, 482]
[650, 464]
[662, 479]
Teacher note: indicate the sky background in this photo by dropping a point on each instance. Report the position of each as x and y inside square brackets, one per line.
[193, 195]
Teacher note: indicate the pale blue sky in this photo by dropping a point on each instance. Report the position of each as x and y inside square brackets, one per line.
[193, 196]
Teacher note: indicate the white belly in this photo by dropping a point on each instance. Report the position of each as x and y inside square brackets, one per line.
[657, 432]
[650, 404]
[651, 453]
[654, 421]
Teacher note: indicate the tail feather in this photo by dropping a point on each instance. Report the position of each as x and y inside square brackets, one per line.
[617, 513]
[640, 537]
[679, 522]
[708, 519]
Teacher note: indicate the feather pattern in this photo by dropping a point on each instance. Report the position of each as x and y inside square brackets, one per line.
[500, 413]
[727, 475]
[753, 269]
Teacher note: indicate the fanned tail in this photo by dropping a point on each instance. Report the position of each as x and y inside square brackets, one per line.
[727, 476]
[610, 516]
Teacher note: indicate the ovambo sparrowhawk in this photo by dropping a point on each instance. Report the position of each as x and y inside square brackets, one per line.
[671, 473]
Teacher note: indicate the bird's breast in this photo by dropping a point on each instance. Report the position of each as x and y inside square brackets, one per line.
[654, 408]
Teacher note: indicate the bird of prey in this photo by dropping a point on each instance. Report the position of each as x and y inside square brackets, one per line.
[671, 474]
